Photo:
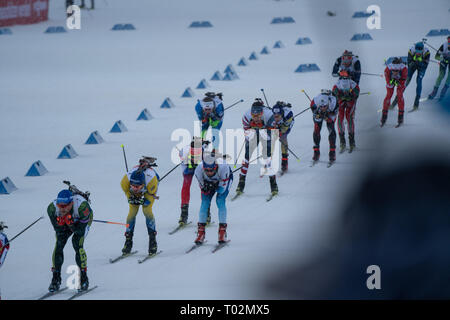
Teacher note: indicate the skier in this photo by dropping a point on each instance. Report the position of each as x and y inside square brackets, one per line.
[443, 56]
[82, 5]
[395, 74]
[70, 214]
[210, 112]
[257, 123]
[140, 185]
[191, 156]
[283, 121]
[349, 63]
[346, 91]
[418, 60]
[4, 246]
[324, 108]
[213, 178]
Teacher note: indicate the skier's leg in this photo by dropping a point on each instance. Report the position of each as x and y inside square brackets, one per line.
[58, 252]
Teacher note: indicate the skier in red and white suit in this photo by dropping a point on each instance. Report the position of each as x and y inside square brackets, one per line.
[395, 74]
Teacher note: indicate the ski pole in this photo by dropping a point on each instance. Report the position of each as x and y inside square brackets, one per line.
[242, 147]
[302, 112]
[110, 222]
[306, 95]
[169, 172]
[242, 100]
[364, 93]
[249, 163]
[425, 40]
[298, 159]
[124, 157]
[268, 105]
[24, 230]
[372, 74]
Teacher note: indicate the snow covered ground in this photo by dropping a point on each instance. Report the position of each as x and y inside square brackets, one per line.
[56, 89]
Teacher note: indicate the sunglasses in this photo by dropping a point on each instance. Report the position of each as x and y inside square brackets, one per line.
[63, 205]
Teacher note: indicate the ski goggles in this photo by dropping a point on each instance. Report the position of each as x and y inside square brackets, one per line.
[210, 170]
[136, 188]
[63, 205]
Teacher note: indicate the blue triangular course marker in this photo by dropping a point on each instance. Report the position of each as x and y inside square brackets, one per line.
[36, 169]
[437, 32]
[94, 138]
[203, 84]
[307, 67]
[68, 153]
[216, 76]
[230, 76]
[167, 104]
[278, 45]
[265, 50]
[7, 186]
[305, 40]
[229, 69]
[118, 127]
[200, 24]
[242, 62]
[5, 31]
[188, 93]
[277, 20]
[362, 14]
[57, 29]
[288, 20]
[123, 26]
[144, 115]
[253, 56]
[361, 36]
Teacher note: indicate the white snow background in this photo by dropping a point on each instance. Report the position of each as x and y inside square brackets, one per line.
[55, 89]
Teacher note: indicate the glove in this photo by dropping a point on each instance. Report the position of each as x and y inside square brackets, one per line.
[249, 134]
[135, 200]
[65, 220]
[209, 186]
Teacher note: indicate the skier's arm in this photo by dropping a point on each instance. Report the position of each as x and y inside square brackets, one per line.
[152, 186]
[125, 184]
[199, 111]
[439, 52]
[357, 72]
[86, 214]
[51, 211]
[3, 249]
[336, 67]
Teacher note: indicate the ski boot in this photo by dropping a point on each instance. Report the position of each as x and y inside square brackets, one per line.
[316, 155]
[284, 162]
[400, 119]
[332, 155]
[443, 91]
[416, 103]
[433, 93]
[56, 281]
[383, 118]
[84, 281]
[184, 214]
[152, 245]
[222, 232]
[273, 185]
[351, 138]
[241, 184]
[200, 233]
[128, 243]
[342, 142]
